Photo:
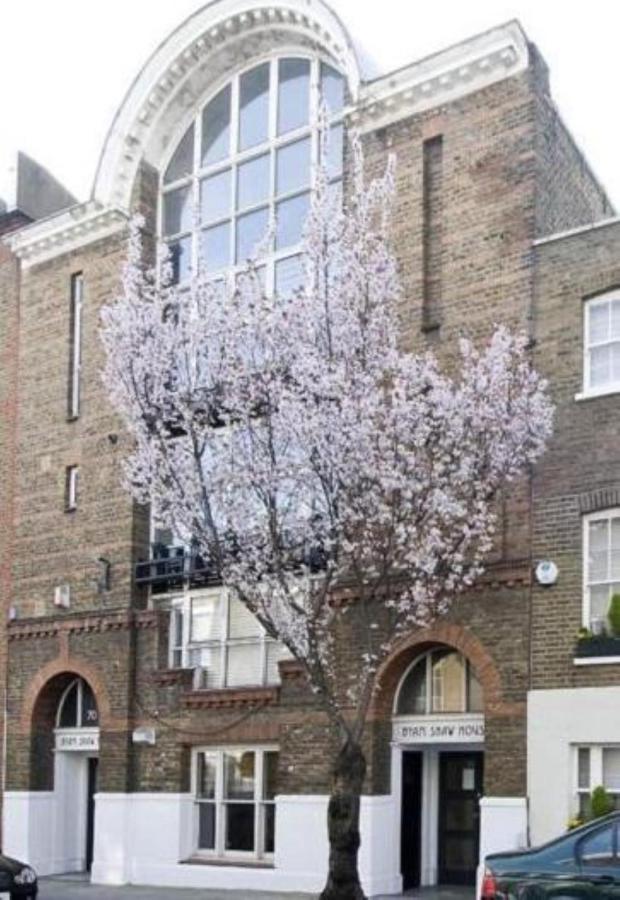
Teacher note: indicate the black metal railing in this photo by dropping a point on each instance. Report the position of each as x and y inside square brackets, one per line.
[171, 568]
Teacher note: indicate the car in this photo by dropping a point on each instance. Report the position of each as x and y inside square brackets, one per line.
[583, 864]
[17, 879]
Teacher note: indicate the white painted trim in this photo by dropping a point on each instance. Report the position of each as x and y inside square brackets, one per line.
[444, 77]
[593, 394]
[596, 660]
[573, 232]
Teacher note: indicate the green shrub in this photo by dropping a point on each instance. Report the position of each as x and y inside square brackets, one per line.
[601, 803]
[614, 615]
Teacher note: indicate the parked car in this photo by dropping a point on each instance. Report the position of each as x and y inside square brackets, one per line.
[17, 879]
[583, 864]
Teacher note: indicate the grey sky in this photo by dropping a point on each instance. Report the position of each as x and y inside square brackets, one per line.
[65, 66]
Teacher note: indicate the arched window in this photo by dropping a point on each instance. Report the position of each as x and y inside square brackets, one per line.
[442, 681]
[77, 707]
[247, 159]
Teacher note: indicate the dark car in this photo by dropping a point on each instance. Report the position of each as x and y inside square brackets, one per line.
[17, 879]
[583, 864]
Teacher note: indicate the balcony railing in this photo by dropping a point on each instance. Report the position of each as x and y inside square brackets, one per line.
[171, 568]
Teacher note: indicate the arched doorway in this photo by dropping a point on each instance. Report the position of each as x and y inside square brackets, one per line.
[438, 734]
[76, 766]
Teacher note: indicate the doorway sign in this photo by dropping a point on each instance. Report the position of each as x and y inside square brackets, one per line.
[79, 740]
[448, 729]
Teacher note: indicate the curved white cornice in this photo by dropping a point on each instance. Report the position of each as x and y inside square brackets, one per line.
[195, 56]
[442, 78]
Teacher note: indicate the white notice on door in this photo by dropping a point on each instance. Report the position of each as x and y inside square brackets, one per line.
[469, 779]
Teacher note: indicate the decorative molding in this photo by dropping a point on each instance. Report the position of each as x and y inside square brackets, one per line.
[601, 499]
[82, 623]
[231, 698]
[442, 78]
[65, 232]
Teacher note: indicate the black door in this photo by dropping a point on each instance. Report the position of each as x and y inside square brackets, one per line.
[90, 811]
[460, 788]
[411, 824]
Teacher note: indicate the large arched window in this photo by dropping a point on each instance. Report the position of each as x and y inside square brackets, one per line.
[247, 159]
[442, 681]
[77, 707]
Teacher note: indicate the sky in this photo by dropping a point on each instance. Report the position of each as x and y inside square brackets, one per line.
[65, 66]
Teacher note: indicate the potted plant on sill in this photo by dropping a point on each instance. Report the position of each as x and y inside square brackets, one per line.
[604, 637]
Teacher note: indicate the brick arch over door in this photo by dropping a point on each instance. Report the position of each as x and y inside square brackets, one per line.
[447, 635]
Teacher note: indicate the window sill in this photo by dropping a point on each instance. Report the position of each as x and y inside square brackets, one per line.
[594, 394]
[228, 863]
[596, 660]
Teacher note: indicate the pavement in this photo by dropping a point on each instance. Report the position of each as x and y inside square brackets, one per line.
[77, 888]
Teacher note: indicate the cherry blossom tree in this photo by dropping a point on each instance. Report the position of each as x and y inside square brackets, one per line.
[341, 486]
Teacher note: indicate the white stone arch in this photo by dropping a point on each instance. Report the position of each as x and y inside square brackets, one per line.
[200, 53]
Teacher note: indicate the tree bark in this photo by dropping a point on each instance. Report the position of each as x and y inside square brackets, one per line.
[343, 824]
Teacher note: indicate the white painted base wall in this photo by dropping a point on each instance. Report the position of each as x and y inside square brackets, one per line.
[557, 722]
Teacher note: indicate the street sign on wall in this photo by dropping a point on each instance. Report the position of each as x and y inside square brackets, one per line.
[438, 729]
[79, 740]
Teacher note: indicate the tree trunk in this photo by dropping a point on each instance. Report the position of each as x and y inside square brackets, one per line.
[343, 824]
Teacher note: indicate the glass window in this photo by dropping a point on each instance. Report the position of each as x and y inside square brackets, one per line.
[68, 717]
[270, 106]
[215, 196]
[236, 788]
[289, 276]
[254, 107]
[77, 707]
[602, 368]
[182, 162]
[602, 564]
[598, 849]
[293, 167]
[290, 220]
[75, 344]
[442, 681]
[253, 181]
[293, 94]
[597, 766]
[216, 128]
[448, 680]
[90, 714]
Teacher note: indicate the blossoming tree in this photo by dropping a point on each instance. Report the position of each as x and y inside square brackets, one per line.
[335, 480]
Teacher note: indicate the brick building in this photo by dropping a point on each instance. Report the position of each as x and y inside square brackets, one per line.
[153, 733]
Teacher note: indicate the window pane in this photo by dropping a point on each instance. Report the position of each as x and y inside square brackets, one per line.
[216, 247]
[216, 128]
[289, 276]
[182, 162]
[291, 217]
[474, 692]
[270, 784]
[239, 768]
[251, 230]
[600, 365]
[293, 167]
[275, 652]
[412, 697]
[599, 322]
[242, 623]
[332, 88]
[90, 715]
[206, 826]
[611, 769]
[599, 606]
[244, 665]
[597, 850]
[209, 658]
[69, 712]
[615, 362]
[240, 826]
[206, 774]
[293, 94]
[269, 827]
[598, 550]
[615, 319]
[253, 181]
[583, 761]
[206, 621]
[181, 260]
[254, 107]
[178, 210]
[448, 681]
[215, 199]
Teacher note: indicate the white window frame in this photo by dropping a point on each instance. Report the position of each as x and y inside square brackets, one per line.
[72, 478]
[77, 302]
[596, 772]
[602, 515]
[181, 604]
[79, 707]
[427, 660]
[588, 305]
[220, 802]
[237, 157]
